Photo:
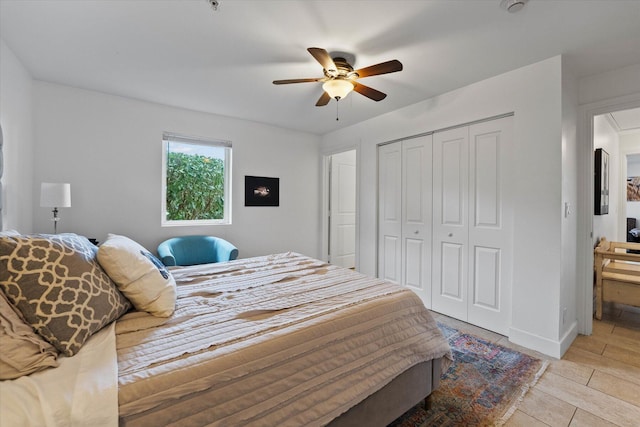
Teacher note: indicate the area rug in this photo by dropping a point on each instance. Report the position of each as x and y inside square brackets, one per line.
[481, 388]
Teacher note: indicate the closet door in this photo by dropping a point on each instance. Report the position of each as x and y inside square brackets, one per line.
[450, 222]
[491, 225]
[416, 216]
[390, 212]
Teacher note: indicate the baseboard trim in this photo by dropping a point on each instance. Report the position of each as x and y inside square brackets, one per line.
[544, 345]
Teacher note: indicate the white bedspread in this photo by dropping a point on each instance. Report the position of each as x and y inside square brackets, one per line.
[82, 391]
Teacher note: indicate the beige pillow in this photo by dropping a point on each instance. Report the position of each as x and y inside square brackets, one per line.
[140, 276]
[23, 351]
[57, 284]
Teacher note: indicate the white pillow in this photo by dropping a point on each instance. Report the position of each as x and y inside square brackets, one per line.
[139, 275]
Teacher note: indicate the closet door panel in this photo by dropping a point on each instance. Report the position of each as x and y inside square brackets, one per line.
[450, 225]
[413, 269]
[490, 231]
[390, 212]
[417, 216]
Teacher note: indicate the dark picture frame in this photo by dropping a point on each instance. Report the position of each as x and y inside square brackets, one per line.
[261, 191]
[601, 182]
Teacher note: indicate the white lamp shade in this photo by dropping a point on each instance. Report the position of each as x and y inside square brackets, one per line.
[338, 88]
[55, 195]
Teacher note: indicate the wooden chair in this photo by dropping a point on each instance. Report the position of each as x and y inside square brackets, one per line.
[617, 274]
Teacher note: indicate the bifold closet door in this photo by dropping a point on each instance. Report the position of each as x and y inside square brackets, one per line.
[450, 222]
[390, 212]
[416, 216]
[404, 214]
[472, 224]
[490, 225]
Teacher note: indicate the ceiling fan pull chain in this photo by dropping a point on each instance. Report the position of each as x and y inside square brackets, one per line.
[337, 110]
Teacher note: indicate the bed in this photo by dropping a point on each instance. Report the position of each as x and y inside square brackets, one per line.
[282, 339]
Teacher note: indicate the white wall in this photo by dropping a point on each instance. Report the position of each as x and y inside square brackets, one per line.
[109, 149]
[17, 128]
[605, 136]
[534, 94]
[569, 289]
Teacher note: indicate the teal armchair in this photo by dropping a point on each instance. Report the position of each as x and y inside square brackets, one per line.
[192, 250]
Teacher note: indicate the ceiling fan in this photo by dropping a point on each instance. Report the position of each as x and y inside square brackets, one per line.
[340, 77]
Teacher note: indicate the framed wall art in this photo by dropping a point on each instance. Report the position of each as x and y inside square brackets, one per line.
[601, 182]
[261, 191]
[633, 189]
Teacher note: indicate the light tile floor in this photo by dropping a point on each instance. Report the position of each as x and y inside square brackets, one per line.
[596, 383]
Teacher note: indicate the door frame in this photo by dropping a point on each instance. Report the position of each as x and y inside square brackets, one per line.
[586, 114]
[326, 189]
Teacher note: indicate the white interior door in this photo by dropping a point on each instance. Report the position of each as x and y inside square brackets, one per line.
[450, 222]
[390, 212]
[342, 208]
[490, 225]
[416, 216]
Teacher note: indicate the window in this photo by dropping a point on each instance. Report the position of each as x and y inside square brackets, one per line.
[196, 181]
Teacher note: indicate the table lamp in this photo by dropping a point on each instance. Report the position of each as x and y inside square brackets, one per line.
[55, 195]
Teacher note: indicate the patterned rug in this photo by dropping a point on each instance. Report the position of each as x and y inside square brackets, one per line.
[481, 388]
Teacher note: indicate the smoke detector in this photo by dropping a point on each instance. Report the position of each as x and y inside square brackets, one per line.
[513, 6]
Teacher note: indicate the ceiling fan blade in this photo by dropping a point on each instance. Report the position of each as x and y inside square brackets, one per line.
[382, 68]
[370, 93]
[323, 57]
[286, 82]
[324, 100]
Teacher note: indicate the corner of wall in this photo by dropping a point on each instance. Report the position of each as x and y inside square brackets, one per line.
[16, 117]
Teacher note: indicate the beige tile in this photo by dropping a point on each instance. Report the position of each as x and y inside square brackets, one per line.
[617, 387]
[629, 320]
[620, 331]
[587, 419]
[588, 399]
[622, 354]
[604, 364]
[631, 341]
[574, 371]
[589, 343]
[520, 419]
[546, 408]
[602, 328]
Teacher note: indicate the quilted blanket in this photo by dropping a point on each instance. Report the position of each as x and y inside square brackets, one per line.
[276, 340]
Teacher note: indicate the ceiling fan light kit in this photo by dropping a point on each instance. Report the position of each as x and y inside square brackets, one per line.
[338, 88]
[340, 77]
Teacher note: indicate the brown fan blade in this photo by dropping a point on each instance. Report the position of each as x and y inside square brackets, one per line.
[371, 93]
[382, 68]
[324, 100]
[323, 57]
[286, 82]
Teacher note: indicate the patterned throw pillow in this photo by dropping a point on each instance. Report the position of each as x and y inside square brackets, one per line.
[59, 287]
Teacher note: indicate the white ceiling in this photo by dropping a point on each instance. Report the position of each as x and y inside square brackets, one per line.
[182, 53]
[627, 120]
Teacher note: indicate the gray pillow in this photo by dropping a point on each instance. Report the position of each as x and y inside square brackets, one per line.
[57, 284]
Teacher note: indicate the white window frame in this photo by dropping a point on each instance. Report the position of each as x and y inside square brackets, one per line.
[172, 137]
